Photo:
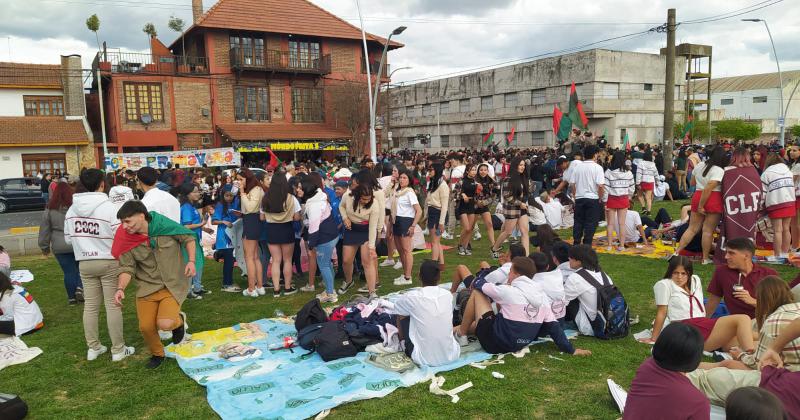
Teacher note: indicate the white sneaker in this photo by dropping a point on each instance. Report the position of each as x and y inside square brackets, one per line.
[308, 288]
[93, 354]
[461, 339]
[398, 265]
[447, 235]
[126, 351]
[425, 232]
[327, 297]
[387, 262]
[402, 281]
[164, 335]
[260, 291]
[248, 293]
[476, 236]
[602, 224]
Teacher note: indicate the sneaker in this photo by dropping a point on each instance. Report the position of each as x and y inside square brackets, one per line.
[79, 295]
[402, 281]
[178, 334]
[126, 351]
[203, 292]
[93, 354]
[495, 254]
[461, 250]
[308, 288]
[710, 261]
[363, 289]
[373, 295]
[154, 362]
[447, 235]
[468, 250]
[345, 287]
[193, 295]
[476, 236]
[386, 263]
[325, 297]
[398, 265]
[620, 249]
[72, 301]
[268, 284]
[290, 291]
[425, 232]
[248, 293]
[276, 293]
[602, 223]
[260, 291]
[164, 335]
[461, 339]
[231, 289]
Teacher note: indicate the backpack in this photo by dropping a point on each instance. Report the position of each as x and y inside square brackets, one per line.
[12, 407]
[311, 313]
[306, 336]
[612, 310]
[332, 342]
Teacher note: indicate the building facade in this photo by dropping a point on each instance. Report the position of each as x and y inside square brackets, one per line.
[622, 92]
[246, 73]
[43, 125]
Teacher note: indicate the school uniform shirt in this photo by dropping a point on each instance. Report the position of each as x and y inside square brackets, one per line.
[552, 284]
[577, 287]
[251, 202]
[773, 324]
[431, 326]
[566, 271]
[796, 175]
[660, 190]
[537, 217]
[224, 233]
[784, 384]
[19, 304]
[457, 173]
[619, 183]
[632, 222]
[778, 185]
[405, 204]
[163, 203]
[290, 207]
[190, 216]
[439, 199]
[500, 274]
[646, 172]
[680, 304]
[660, 394]
[371, 216]
[569, 173]
[588, 176]
[714, 174]
[722, 285]
[552, 212]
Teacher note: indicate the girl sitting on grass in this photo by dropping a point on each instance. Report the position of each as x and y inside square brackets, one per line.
[19, 313]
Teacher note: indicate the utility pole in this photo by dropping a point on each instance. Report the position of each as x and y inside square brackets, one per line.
[669, 91]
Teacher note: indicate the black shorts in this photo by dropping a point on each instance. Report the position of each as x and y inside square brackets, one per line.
[481, 210]
[356, 236]
[404, 327]
[251, 224]
[401, 226]
[433, 217]
[280, 233]
[485, 333]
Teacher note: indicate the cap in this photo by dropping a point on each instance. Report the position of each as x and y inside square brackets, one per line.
[341, 184]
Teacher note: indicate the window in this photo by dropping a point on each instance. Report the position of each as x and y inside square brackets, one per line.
[538, 96]
[397, 113]
[537, 138]
[759, 99]
[444, 141]
[411, 111]
[510, 100]
[463, 105]
[726, 101]
[248, 51]
[611, 91]
[44, 163]
[427, 110]
[143, 99]
[251, 103]
[444, 107]
[307, 105]
[648, 87]
[486, 102]
[43, 105]
[303, 55]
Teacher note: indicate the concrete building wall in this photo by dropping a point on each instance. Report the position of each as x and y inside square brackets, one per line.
[12, 103]
[11, 158]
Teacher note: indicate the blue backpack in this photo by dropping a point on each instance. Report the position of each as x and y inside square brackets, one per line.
[612, 319]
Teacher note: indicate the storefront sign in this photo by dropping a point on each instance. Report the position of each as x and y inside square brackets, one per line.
[292, 146]
[185, 158]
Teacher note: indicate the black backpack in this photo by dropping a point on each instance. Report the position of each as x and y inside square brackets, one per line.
[332, 342]
[612, 319]
[12, 407]
[306, 336]
[311, 313]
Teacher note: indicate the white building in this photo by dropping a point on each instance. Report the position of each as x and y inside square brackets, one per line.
[754, 97]
[43, 126]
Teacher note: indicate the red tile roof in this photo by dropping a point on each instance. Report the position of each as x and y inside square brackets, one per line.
[298, 17]
[41, 131]
[279, 131]
[42, 76]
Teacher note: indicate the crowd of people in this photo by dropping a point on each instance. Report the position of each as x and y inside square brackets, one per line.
[156, 228]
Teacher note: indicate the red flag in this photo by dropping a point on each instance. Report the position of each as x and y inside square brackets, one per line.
[488, 137]
[510, 137]
[273, 160]
[556, 118]
[576, 113]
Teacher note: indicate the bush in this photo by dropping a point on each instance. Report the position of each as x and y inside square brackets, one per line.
[795, 130]
[736, 130]
[700, 131]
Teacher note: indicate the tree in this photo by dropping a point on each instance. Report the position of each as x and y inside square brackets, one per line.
[93, 24]
[350, 101]
[736, 130]
[150, 30]
[795, 130]
[177, 24]
[700, 131]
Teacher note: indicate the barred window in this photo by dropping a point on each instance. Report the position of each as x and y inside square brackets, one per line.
[251, 103]
[43, 105]
[143, 99]
[307, 105]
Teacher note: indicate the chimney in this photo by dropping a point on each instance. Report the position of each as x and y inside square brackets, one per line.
[197, 10]
[72, 85]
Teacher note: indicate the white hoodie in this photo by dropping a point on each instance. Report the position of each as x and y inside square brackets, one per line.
[552, 284]
[119, 194]
[90, 226]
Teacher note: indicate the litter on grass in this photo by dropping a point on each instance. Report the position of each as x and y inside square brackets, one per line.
[436, 388]
[498, 375]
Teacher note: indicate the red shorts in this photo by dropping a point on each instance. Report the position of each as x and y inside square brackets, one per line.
[617, 202]
[782, 213]
[647, 186]
[797, 203]
[704, 325]
[713, 204]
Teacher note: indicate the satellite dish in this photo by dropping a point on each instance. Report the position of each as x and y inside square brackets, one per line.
[147, 119]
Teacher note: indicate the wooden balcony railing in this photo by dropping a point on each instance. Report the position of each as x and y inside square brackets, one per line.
[124, 62]
[279, 61]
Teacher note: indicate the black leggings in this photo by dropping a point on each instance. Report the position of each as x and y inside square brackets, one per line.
[7, 327]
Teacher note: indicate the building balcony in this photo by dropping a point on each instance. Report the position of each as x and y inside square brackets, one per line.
[373, 68]
[143, 63]
[279, 61]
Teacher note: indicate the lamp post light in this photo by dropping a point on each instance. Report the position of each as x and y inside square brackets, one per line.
[781, 112]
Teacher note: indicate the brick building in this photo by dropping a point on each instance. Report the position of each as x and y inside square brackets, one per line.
[254, 73]
[43, 126]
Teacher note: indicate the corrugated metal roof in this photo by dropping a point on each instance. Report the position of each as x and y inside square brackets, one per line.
[748, 82]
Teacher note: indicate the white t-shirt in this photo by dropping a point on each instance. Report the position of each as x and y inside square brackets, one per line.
[678, 302]
[565, 270]
[577, 287]
[714, 174]
[457, 173]
[660, 190]
[632, 222]
[431, 325]
[569, 174]
[588, 176]
[552, 283]
[162, 203]
[552, 212]
[405, 204]
[20, 304]
[500, 275]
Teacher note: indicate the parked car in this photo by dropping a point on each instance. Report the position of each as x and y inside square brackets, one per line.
[20, 193]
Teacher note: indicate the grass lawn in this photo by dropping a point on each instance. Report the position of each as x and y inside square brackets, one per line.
[62, 384]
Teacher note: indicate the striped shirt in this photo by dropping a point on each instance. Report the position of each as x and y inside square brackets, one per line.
[619, 183]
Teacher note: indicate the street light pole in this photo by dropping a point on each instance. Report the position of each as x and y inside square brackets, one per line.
[781, 113]
[374, 107]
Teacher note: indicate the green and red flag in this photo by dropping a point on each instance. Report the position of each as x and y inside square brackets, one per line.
[273, 159]
[510, 137]
[687, 129]
[626, 143]
[561, 124]
[576, 113]
[489, 137]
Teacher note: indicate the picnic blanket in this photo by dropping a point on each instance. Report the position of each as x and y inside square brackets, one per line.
[246, 379]
[14, 351]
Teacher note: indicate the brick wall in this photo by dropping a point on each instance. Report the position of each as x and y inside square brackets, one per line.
[88, 156]
[126, 125]
[276, 102]
[221, 44]
[343, 57]
[190, 100]
[191, 141]
[225, 100]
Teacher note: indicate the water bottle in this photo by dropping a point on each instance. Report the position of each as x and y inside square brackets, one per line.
[279, 313]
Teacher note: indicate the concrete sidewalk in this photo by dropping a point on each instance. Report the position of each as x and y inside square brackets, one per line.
[20, 243]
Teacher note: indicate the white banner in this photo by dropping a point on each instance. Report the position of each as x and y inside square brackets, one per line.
[185, 158]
